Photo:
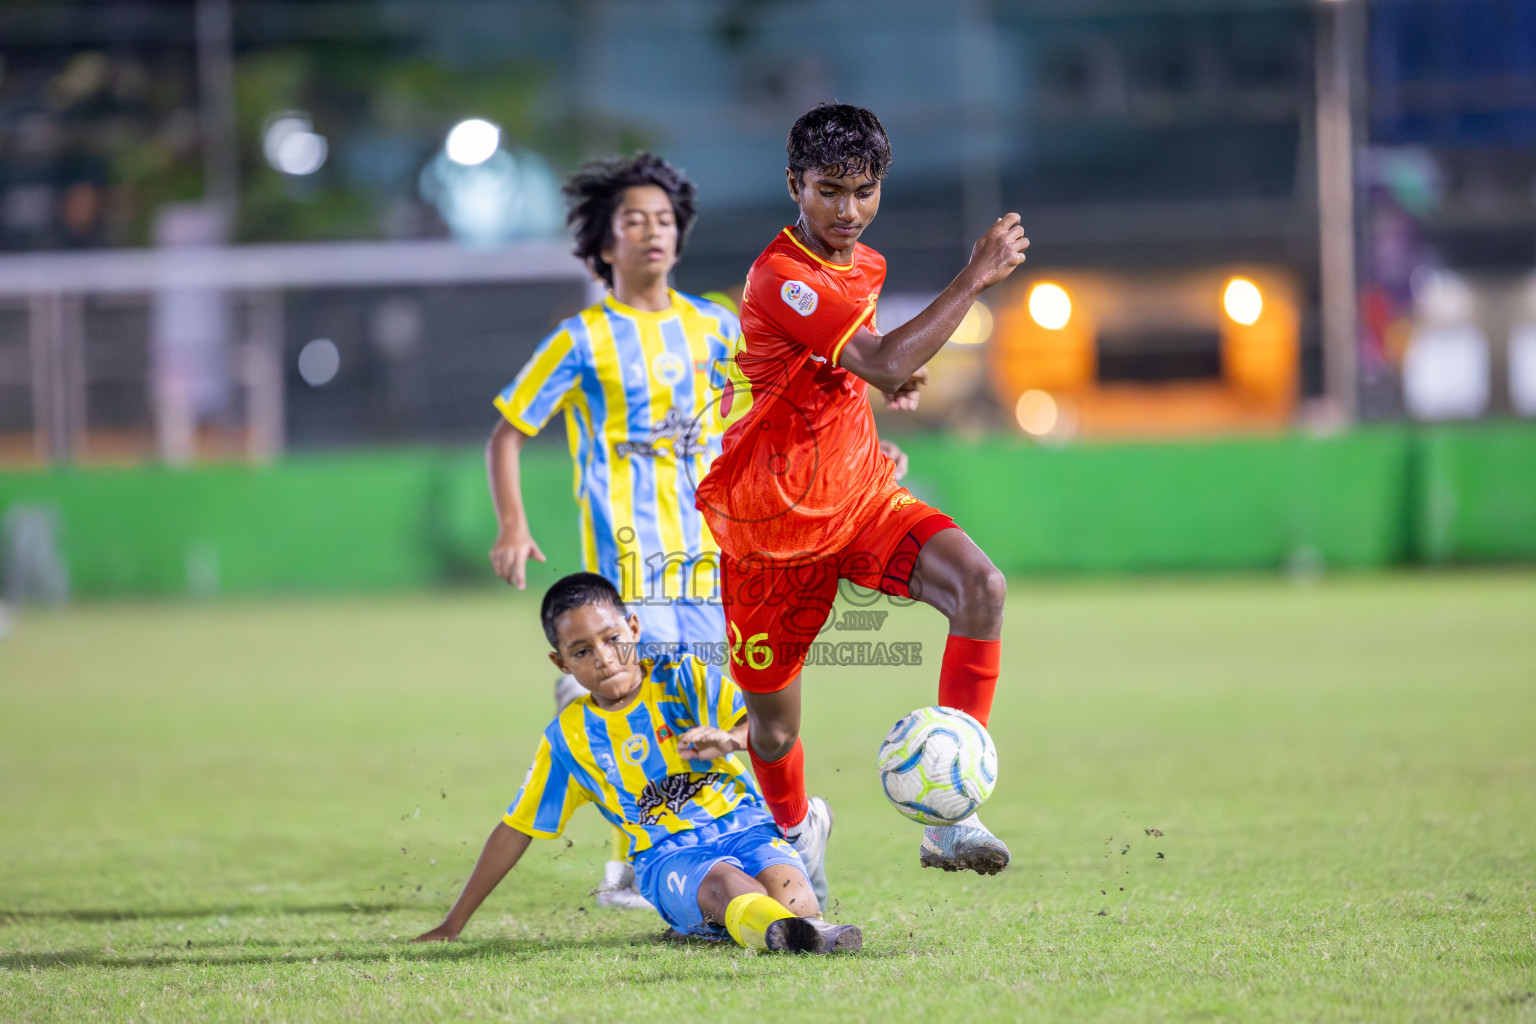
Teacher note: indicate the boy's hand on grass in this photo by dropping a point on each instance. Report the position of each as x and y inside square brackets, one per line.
[442, 933]
[704, 743]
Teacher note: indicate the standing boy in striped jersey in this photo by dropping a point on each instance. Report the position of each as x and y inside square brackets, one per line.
[632, 376]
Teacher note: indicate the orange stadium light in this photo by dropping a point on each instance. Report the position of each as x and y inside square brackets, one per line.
[1042, 343]
[1078, 354]
[1260, 342]
[1243, 301]
[1050, 306]
[1036, 413]
[975, 328]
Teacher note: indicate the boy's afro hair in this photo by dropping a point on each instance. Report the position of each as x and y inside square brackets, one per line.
[575, 591]
[839, 138]
[593, 191]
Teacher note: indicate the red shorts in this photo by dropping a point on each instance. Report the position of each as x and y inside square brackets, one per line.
[774, 612]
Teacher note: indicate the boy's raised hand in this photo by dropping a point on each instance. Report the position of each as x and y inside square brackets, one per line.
[997, 252]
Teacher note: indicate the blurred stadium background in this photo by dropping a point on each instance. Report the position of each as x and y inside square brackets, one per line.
[239, 235]
[264, 264]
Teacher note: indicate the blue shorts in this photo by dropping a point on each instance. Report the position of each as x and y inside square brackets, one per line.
[669, 874]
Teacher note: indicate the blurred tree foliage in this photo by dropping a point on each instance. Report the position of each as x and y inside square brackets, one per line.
[383, 115]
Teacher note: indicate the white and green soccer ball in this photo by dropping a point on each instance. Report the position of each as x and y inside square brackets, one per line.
[937, 765]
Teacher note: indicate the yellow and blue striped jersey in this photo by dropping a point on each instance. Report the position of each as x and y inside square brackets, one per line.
[636, 389]
[626, 761]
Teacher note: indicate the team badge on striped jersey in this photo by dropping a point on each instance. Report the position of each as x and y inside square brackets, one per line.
[635, 748]
[668, 367]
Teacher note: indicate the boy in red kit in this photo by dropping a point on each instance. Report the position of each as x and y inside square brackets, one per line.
[801, 496]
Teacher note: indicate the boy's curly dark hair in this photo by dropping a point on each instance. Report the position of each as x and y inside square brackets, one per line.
[593, 191]
[840, 138]
[575, 591]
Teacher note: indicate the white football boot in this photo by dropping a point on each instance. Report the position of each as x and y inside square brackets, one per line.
[812, 935]
[809, 838]
[619, 890]
[967, 845]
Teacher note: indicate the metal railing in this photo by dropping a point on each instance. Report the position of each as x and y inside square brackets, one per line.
[53, 292]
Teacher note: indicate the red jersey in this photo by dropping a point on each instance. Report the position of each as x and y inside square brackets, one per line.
[800, 467]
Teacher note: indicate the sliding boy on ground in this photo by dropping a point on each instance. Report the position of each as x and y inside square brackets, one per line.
[651, 745]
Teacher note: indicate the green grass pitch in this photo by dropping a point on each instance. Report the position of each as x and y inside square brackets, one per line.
[240, 811]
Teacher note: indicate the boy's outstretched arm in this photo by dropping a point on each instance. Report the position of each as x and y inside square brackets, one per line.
[888, 361]
[514, 541]
[503, 850]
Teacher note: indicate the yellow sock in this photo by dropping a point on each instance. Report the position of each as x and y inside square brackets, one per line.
[748, 916]
[619, 846]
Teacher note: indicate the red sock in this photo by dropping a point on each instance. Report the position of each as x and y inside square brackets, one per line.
[783, 785]
[968, 675]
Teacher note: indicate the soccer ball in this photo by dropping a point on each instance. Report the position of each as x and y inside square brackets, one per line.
[937, 765]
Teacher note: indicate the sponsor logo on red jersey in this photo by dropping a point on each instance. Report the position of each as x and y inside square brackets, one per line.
[800, 297]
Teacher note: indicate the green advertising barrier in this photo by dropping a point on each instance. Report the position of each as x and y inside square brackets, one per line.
[323, 523]
[1190, 506]
[1475, 494]
[366, 521]
[468, 524]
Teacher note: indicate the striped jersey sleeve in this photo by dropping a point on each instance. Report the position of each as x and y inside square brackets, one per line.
[722, 355]
[722, 347]
[698, 693]
[715, 699]
[543, 384]
[548, 797]
[677, 703]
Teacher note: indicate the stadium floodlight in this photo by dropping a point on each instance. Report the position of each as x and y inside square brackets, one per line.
[1036, 412]
[318, 362]
[292, 146]
[302, 153]
[975, 328]
[1522, 369]
[1050, 306]
[1243, 301]
[1442, 297]
[472, 142]
[1446, 372]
